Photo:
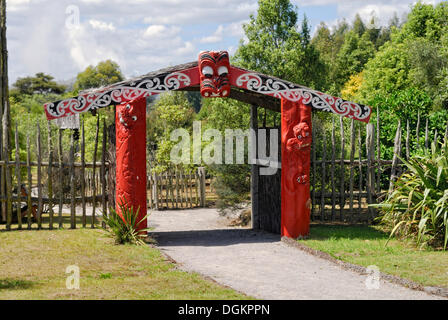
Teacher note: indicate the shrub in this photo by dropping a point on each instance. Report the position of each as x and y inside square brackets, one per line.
[124, 230]
[417, 208]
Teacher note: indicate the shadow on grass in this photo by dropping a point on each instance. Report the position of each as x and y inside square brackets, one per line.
[352, 232]
[14, 284]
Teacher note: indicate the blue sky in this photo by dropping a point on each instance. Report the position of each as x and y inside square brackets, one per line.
[63, 37]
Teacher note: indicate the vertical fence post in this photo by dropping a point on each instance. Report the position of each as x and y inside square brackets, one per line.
[50, 177]
[342, 185]
[72, 183]
[83, 178]
[352, 168]
[370, 186]
[39, 178]
[155, 191]
[19, 181]
[92, 224]
[360, 174]
[333, 164]
[314, 180]
[103, 170]
[61, 179]
[397, 152]
[322, 189]
[378, 153]
[30, 179]
[201, 173]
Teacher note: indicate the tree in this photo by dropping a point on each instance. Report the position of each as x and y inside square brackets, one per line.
[172, 111]
[276, 47]
[354, 54]
[416, 57]
[358, 26]
[105, 72]
[41, 83]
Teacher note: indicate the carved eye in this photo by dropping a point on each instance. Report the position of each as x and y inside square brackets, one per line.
[128, 106]
[307, 134]
[222, 71]
[207, 71]
[134, 118]
[299, 136]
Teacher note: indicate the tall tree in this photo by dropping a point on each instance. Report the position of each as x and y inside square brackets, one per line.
[5, 116]
[276, 47]
[104, 73]
[354, 54]
[415, 57]
[41, 83]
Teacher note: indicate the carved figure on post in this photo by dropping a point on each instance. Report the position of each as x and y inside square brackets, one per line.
[130, 124]
[214, 74]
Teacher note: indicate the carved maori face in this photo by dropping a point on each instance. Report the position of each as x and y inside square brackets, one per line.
[303, 134]
[214, 69]
[127, 116]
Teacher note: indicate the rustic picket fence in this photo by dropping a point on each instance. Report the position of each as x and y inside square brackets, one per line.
[55, 192]
[178, 189]
[344, 184]
[53, 183]
[346, 176]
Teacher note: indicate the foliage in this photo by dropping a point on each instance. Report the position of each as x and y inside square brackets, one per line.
[416, 57]
[276, 47]
[418, 206]
[41, 83]
[353, 55]
[232, 183]
[405, 105]
[104, 73]
[124, 227]
[351, 87]
[172, 111]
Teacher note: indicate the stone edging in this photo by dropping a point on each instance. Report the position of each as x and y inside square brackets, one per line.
[443, 292]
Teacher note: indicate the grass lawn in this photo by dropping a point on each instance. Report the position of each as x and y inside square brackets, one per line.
[33, 265]
[364, 245]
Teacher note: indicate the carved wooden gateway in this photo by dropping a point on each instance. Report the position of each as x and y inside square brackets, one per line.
[213, 76]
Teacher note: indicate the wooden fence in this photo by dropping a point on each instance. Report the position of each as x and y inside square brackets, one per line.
[30, 189]
[348, 175]
[178, 189]
[60, 188]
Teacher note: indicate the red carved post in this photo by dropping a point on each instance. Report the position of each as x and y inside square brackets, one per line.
[296, 151]
[130, 122]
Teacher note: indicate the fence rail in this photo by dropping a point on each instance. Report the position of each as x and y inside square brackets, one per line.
[177, 189]
[59, 187]
[31, 189]
[349, 174]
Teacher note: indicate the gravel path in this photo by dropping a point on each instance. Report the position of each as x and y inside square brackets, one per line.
[258, 263]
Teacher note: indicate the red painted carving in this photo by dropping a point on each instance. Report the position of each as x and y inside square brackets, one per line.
[296, 151]
[281, 89]
[214, 69]
[123, 92]
[130, 123]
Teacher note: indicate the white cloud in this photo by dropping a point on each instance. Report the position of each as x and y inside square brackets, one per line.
[101, 25]
[143, 35]
[215, 37]
[161, 31]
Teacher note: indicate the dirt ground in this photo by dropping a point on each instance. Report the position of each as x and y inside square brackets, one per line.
[259, 263]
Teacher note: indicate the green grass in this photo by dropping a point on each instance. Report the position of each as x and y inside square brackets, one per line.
[365, 245]
[33, 265]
